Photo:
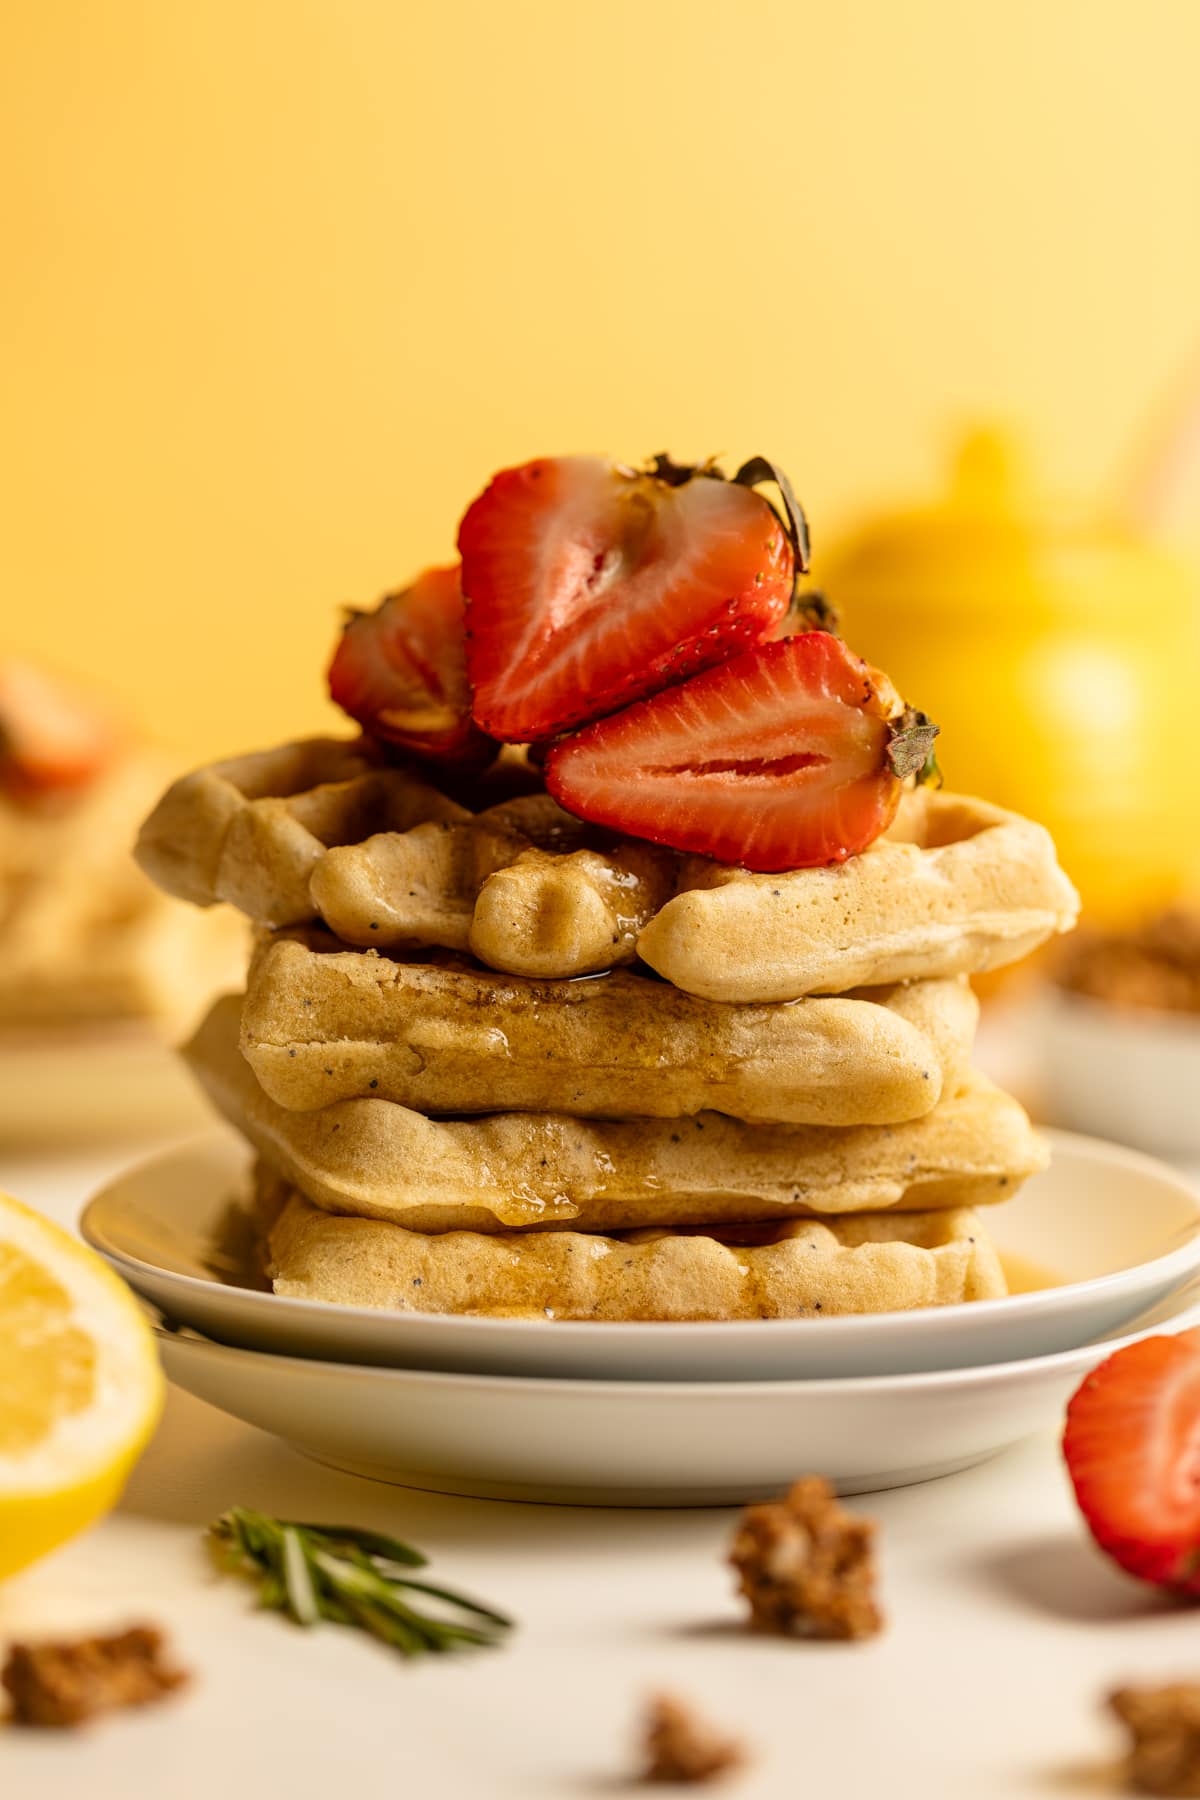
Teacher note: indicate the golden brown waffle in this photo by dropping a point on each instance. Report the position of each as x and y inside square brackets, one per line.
[875, 1262]
[382, 1160]
[251, 830]
[324, 829]
[320, 1026]
[956, 887]
[320, 830]
[83, 935]
[523, 885]
[411, 889]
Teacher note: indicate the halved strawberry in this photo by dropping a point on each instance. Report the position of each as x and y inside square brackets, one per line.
[786, 757]
[401, 672]
[53, 737]
[589, 585]
[1132, 1446]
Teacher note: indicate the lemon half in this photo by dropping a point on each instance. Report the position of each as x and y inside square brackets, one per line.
[80, 1386]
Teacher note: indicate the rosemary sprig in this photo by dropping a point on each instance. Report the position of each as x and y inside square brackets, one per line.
[350, 1577]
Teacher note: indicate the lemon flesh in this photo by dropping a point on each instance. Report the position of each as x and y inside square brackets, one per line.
[80, 1386]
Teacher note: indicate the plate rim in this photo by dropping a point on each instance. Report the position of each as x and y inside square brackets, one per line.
[1173, 1264]
[849, 1387]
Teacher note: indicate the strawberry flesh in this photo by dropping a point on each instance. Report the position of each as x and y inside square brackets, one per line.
[589, 586]
[1132, 1447]
[401, 672]
[775, 760]
[53, 739]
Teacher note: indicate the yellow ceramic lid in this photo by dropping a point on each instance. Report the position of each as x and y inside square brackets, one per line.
[994, 544]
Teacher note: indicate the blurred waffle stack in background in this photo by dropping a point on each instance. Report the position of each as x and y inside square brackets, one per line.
[99, 971]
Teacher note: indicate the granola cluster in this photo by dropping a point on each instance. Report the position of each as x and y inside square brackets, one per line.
[806, 1565]
[1155, 966]
[683, 1748]
[65, 1684]
[1164, 1723]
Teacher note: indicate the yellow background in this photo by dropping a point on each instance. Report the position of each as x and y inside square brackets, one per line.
[286, 279]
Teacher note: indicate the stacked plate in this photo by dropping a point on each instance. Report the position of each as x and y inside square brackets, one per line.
[1102, 1247]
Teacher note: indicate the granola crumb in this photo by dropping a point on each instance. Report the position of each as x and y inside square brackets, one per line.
[1154, 966]
[806, 1566]
[1164, 1723]
[67, 1683]
[681, 1747]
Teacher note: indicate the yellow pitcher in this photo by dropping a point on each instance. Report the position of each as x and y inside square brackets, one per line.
[1059, 653]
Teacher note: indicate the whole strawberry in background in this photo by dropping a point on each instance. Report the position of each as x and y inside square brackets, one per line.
[1132, 1449]
[54, 738]
[401, 673]
[590, 585]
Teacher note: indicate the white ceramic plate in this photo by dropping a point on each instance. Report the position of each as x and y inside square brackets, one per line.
[637, 1443]
[1120, 1231]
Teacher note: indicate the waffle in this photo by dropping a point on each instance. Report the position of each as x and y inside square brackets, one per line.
[416, 888]
[320, 1026]
[803, 1267]
[518, 884]
[252, 830]
[382, 1160]
[322, 830]
[956, 887]
[86, 938]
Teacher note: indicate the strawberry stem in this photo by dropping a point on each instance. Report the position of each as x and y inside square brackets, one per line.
[910, 747]
[759, 469]
[813, 612]
[663, 467]
[752, 474]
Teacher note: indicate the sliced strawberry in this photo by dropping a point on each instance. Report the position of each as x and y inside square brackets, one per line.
[589, 585]
[1132, 1446]
[780, 759]
[401, 672]
[53, 737]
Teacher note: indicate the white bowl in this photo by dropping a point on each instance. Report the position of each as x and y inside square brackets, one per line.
[1120, 1232]
[637, 1443]
[1125, 1074]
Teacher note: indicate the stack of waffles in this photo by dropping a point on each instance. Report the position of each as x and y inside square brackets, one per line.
[492, 1060]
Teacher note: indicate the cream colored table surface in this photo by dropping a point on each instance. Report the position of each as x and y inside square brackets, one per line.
[1005, 1629]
